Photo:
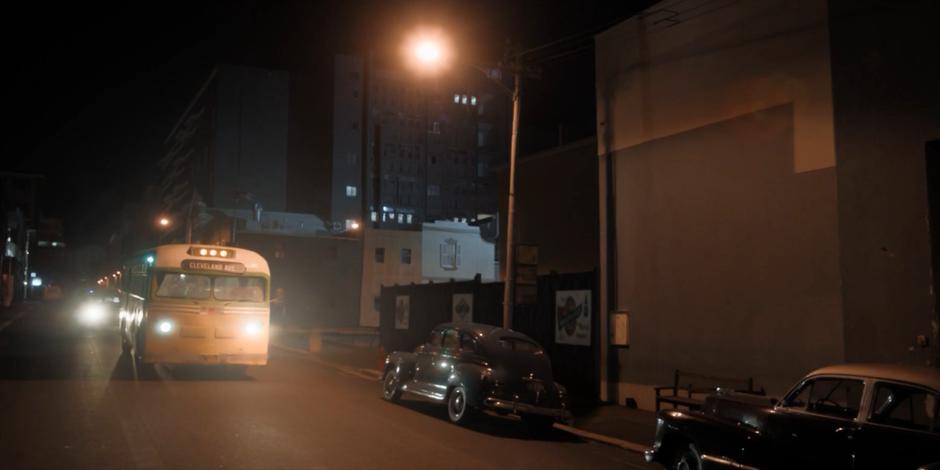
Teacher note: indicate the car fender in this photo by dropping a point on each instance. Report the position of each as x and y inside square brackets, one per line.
[469, 376]
[403, 363]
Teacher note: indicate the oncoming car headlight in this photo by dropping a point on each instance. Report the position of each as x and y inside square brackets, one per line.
[164, 327]
[92, 313]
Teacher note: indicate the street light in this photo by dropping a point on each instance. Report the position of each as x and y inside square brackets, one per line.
[164, 222]
[429, 51]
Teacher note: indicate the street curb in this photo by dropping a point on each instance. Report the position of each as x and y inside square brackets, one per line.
[366, 374]
[626, 445]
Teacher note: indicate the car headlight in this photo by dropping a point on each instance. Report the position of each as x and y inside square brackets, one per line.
[92, 313]
[252, 328]
[164, 327]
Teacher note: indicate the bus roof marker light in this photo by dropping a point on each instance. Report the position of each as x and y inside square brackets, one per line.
[212, 252]
[203, 252]
[223, 253]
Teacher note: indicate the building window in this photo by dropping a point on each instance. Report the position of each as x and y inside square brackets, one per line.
[450, 255]
[409, 218]
[473, 100]
[351, 224]
[377, 303]
[463, 99]
[380, 255]
[456, 99]
[374, 216]
[435, 127]
[434, 190]
[406, 256]
[401, 218]
[350, 191]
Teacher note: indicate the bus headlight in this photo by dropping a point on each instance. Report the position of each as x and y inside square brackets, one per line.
[164, 327]
[92, 313]
[252, 328]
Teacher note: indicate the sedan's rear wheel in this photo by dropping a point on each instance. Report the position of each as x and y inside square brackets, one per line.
[458, 410]
[391, 386]
[687, 458]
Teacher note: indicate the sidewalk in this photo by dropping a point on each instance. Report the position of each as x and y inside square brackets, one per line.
[627, 428]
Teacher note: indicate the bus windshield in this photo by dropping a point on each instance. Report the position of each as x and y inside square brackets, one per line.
[205, 287]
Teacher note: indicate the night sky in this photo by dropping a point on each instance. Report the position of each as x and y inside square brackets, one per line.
[91, 90]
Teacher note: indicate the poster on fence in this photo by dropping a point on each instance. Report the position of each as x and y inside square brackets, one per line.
[402, 311]
[573, 317]
[462, 308]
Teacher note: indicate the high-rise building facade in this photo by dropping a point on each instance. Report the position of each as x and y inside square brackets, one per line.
[428, 145]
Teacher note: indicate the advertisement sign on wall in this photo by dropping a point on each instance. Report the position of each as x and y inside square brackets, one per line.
[402, 311]
[573, 317]
[462, 308]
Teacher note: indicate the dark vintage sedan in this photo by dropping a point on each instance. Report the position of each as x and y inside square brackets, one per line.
[854, 416]
[473, 367]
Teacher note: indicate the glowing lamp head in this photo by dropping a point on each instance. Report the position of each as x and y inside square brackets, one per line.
[150, 259]
[213, 252]
[427, 51]
[203, 252]
[164, 222]
[354, 225]
[223, 253]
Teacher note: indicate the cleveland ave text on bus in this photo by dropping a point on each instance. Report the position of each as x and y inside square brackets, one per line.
[196, 304]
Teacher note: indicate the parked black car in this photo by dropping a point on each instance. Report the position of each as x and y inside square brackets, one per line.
[473, 367]
[855, 416]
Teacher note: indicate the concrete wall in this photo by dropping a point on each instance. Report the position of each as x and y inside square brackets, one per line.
[476, 256]
[320, 276]
[556, 206]
[726, 235]
[887, 108]
[391, 271]
[249, 150]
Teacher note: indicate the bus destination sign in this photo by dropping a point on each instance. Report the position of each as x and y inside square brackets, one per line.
[218, 266]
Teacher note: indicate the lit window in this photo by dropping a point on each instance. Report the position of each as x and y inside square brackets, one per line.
[380, 255]
[473, 100]
[351, 224]
[374, 216]
[409, 218]
[350, 191]
[456, 99]
[401, 218]
[463, 99]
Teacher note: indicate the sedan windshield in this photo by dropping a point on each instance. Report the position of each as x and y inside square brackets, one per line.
[204, 287]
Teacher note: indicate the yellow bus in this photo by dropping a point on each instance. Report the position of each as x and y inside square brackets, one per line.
[196, 304]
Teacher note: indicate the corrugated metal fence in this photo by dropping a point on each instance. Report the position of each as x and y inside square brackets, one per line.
[428, 305]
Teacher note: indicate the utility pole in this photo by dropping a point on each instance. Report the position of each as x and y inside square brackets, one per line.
[509, 278]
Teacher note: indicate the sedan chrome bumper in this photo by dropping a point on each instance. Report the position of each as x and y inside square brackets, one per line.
[515, 407]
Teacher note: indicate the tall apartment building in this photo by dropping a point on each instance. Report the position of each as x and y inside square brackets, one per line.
[428, 145]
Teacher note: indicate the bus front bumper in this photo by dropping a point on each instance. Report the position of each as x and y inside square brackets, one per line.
[207, 359]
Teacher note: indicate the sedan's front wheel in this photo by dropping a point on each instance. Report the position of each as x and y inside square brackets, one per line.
[458, 410]
[687, 458]
[391, 387]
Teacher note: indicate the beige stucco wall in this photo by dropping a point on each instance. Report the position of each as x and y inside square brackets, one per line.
[726, 216]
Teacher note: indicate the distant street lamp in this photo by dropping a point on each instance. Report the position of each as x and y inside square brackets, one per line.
[164, 222]
[429, 52]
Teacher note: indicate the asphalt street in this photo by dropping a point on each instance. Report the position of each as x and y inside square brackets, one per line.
[69, 399]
